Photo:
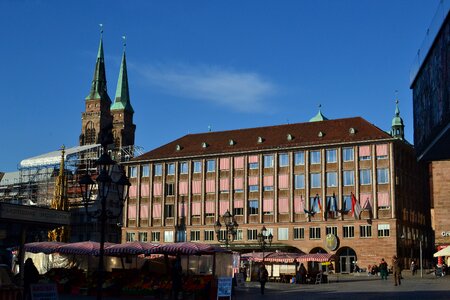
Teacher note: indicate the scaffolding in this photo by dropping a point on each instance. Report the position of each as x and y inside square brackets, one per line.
[34, 183]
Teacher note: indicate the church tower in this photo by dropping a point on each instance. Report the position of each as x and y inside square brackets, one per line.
[97, 114]
[398, 128]
[122, 112]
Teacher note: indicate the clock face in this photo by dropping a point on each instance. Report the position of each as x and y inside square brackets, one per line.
[331, 242]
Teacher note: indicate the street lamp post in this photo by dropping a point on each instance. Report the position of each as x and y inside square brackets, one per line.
[262, 237]
[420, 250]
[230, 229]
[113, 187]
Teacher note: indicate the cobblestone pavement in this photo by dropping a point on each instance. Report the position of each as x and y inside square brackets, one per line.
[346, 287]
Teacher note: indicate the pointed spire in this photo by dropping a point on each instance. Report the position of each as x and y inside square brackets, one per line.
[319, 116]
[397, 128]
[98, 86]
[122, 99]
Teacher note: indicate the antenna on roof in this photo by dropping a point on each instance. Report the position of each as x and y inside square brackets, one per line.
[396, 94]
[209, 128]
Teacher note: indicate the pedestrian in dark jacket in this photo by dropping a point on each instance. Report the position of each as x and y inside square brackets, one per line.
[383, 269]
[30, 276]
[263, 276]
[396, 269]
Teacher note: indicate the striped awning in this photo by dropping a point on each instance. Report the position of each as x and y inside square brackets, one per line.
[130, 248]
[43, 247]
[83, 248]
[277, 257]
[319, 257]
[187, 248]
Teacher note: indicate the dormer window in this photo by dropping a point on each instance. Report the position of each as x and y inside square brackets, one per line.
[321, 134]
[352, 130]
[289, 137]
[231, 142]
[204, 145]
[178, 147]
[260, 140]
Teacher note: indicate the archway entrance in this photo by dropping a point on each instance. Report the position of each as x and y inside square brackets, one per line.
[314, 266]
[346, 260]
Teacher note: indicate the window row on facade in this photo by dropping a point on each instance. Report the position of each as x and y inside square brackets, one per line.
[331, 205]
[282, 234]
[209, 186]
[348, 155]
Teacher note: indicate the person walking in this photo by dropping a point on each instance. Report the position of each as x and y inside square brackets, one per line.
[263, 275]
[30, 276]
[383, 269]
[302, 271]
[413, 267]
[396, 269]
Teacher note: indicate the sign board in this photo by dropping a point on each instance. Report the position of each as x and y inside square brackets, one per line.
[239, 279]
[224, 287]
[44, 292]
[34, 214]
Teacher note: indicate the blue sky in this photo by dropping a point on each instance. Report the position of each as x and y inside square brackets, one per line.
[228, 64]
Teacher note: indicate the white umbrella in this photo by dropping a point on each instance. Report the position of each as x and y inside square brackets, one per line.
[443, 252]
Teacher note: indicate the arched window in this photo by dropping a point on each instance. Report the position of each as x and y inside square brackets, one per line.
[90, 133]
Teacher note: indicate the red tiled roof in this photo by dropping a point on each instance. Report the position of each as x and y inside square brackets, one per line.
[304, 134]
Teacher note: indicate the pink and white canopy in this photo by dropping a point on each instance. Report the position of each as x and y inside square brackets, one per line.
[283, 257]
[187, 248]
[255, 256]
[130, 248]
[43, 247]
[83, 248]
[318, 257]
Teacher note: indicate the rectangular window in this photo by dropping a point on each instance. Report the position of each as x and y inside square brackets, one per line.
[348, 154]
[133, 172]
[314, 233]
[252, 234]
[184, 167]
[365, 176]
[382, 151]
[283, 234]
[145, 171]
[197, 166]
[158, 169]
[315, 180]
[239, 235]
[143, 236]
[209, 235]
[253, 188]
[268, 188]
[364, 153]
[210, 165]
[268, 161]
[299, 233]
[171, 169]
[238, 211]
[365, 231]
[331, 156]
[331, 179]
[168, 236]
[299, 181]
[253, 207]
[156, 236]
[170, 189]
[222, 235]
[314, 157]
[331, 230]
[168, 211]
[131, 236]
[349, 178]
[383, 230]
[195, 235]
[383, 176]
[299, 158]
[349, 231]
[283, 160]
[253, 165]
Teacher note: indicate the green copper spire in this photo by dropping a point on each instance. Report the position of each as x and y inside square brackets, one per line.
[98, 87]
[122, 99]
[319, 117]
[398, 128]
